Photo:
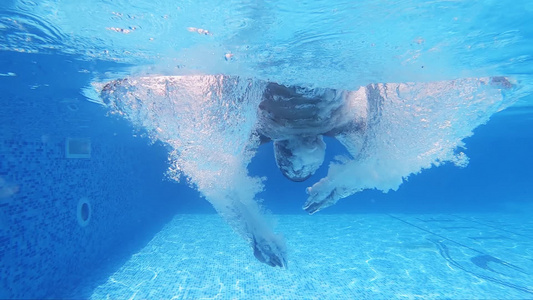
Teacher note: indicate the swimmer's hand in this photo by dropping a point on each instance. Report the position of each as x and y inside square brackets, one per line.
[270, 251]
[321, 195]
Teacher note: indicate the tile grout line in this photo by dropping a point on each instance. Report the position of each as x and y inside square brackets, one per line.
[494, 227]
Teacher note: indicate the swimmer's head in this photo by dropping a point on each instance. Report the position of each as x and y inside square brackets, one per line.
[298, 158]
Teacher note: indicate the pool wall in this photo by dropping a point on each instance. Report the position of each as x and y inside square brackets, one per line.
[44, 249]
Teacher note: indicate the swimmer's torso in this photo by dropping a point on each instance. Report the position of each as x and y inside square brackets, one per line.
[296, 119]
[285, 112]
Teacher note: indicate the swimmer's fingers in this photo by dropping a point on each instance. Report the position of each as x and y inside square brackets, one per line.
[321, 195]
[271, 251]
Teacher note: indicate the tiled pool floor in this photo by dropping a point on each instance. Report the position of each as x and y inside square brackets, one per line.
[365, 256]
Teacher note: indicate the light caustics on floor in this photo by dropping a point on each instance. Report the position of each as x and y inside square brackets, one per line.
[380, 256]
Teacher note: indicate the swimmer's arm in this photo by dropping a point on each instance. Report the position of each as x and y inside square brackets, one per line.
[246, 219]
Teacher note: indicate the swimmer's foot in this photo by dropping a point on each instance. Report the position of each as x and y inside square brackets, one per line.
[270, 251]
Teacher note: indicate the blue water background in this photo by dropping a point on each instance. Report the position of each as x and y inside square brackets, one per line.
[499, 172]
[498, 178]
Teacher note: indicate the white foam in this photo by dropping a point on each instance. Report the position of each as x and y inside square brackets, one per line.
[207, 121]
[410, 127]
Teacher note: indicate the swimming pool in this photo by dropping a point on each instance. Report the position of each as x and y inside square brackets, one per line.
[336, 256]
[402, 127]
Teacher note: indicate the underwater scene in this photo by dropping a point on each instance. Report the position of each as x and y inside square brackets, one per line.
[266, 149]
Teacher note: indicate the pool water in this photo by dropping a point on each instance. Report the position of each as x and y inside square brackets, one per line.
[356, 256]
[137, 161]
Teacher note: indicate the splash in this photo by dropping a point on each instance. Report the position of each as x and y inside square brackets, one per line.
[409, 127]
[354, 43]
[208, 123]
[212, 125]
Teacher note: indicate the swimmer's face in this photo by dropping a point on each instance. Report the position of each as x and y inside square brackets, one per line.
[300, 157]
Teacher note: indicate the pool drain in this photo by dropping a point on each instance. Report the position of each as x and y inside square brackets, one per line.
[84, 212]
